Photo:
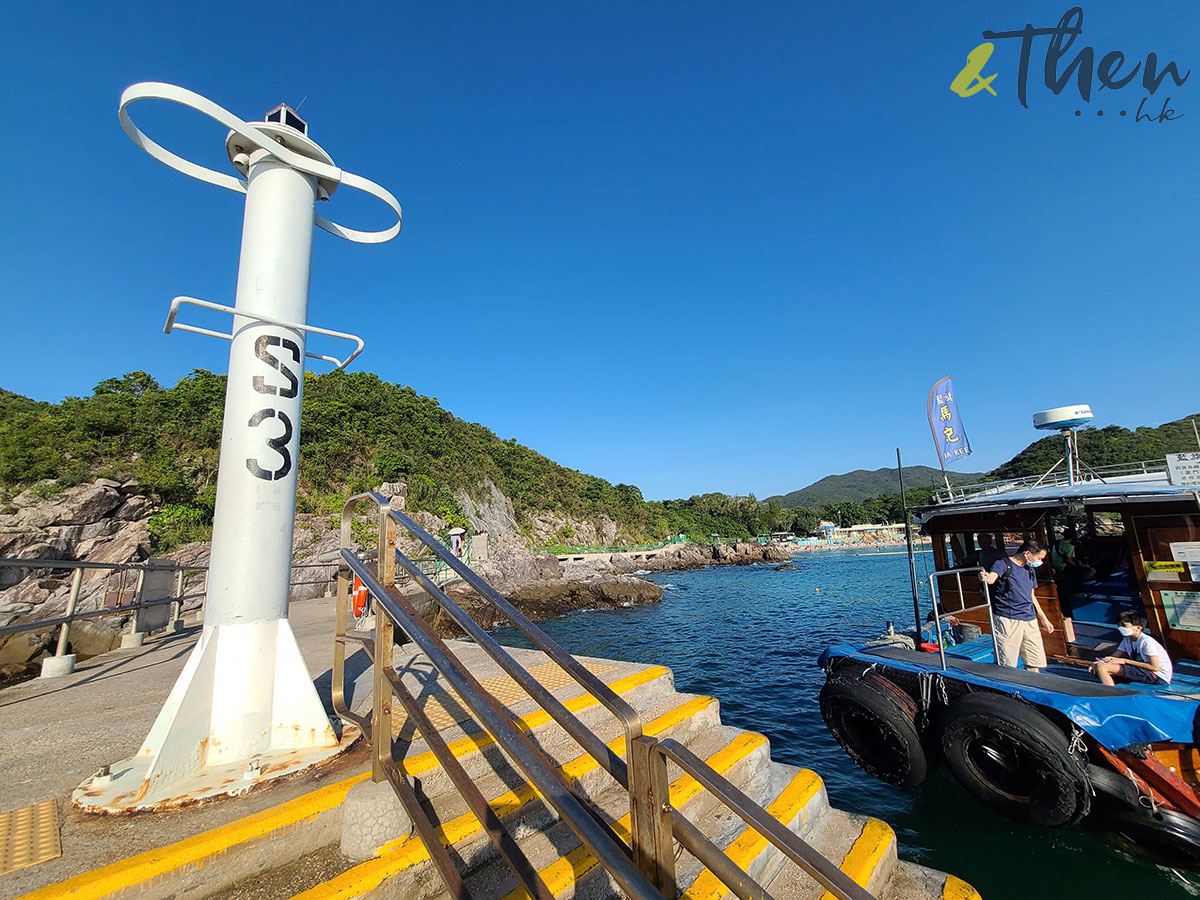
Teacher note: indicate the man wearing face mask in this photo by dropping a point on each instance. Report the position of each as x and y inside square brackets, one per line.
[1016, 610]
[1139, 657]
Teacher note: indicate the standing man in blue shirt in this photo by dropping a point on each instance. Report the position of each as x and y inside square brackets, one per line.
[1015, 608]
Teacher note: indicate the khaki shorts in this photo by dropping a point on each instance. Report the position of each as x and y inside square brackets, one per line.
[1019, 637]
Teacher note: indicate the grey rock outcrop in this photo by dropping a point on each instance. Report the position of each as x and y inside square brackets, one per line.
[102, 521]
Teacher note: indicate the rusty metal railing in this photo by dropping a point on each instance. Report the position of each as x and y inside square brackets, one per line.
[645, 870]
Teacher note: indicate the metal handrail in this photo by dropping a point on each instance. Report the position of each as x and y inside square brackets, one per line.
[1113, 470]
[597, 840]
[40, 563]
[795, 848]
[38, 625]
[80, 565]
[587, 738]
[648, 873]
[987, 603]
[629, 717]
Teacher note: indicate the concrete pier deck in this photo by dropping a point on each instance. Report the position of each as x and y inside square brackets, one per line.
[281, 842]
[56, 732]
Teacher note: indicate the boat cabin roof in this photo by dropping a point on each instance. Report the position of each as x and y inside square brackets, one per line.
[1110, 487]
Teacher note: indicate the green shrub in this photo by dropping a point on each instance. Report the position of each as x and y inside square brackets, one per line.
[175, 525]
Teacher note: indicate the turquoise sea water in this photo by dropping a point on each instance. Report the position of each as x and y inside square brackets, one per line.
[751, 636]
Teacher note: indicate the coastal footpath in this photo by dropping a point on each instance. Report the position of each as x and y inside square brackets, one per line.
[111, 522]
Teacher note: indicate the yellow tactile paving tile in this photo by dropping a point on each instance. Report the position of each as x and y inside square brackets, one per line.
[29, 836]
[197, 850]
[750, 844]
[395, 858]
[445, 708]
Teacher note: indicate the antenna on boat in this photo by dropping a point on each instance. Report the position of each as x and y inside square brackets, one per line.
[1065, 419]
[912, 560]
[244, 709]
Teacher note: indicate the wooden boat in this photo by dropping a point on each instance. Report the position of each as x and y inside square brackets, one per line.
[1055, 747]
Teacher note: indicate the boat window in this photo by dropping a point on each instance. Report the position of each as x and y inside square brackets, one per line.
[1107, 524]
[961, 546]
[976, 548]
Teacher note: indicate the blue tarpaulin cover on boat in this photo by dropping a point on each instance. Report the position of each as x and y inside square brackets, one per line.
[1115, 716]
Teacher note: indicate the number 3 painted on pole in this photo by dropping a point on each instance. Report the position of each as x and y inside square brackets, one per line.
[278, 444]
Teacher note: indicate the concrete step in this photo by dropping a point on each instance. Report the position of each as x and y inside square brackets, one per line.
[685, 717]
[403, 868]
[478, 752]
[793, 796]
[291, 848]
[209, 861]
[571, 871]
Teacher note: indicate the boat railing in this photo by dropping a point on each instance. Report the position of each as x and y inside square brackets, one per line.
[646, 873]
[938, 612]
[1055, 478]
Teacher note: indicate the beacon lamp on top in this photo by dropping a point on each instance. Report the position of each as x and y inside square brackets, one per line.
[244, 709]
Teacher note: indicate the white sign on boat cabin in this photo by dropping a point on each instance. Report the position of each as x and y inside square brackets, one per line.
[1188, 552]
[1183, 468]
[1182, 609]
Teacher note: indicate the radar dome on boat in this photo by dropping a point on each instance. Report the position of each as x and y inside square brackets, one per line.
[1062, 417]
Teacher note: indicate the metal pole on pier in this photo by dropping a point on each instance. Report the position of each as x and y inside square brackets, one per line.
[912, 560]
[244, 710]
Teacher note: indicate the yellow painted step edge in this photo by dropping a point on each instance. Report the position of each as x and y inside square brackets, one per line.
[196, 850]
[750, 844]
[565, 871]
[397, 857]
[866, 852]
[957, 889]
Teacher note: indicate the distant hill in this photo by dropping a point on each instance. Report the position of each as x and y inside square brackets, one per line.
[861, 484]
[1104, 446]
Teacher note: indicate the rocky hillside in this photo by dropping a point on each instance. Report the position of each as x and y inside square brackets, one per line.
[106, 521]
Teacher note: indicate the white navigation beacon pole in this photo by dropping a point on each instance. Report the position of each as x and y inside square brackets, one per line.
[244, 709]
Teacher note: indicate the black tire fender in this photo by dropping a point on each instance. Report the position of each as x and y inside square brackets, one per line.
[1112, 791]
[1161, 836]
[876, 723]
[1014, 759]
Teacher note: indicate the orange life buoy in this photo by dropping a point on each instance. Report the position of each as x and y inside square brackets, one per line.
[359, 604]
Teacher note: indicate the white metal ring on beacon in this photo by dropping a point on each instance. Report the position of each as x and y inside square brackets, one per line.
[285, 144]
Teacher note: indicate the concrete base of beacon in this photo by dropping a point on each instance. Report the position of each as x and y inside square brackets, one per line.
[193, 754]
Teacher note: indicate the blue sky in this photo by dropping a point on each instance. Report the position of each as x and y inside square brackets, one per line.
[689, 246]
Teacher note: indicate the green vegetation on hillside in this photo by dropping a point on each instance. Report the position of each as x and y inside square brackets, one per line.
[1103, 447]
[1111, 445]
[356, 431]
[862, 484]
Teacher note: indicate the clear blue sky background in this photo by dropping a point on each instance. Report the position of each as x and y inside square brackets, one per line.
[690, 246]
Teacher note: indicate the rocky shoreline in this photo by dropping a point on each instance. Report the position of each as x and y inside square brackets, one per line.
[107, 521]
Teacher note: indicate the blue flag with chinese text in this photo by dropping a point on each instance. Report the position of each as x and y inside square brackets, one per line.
[948, 434]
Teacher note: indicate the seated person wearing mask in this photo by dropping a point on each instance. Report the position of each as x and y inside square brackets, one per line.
[1139, 657]
[1016, 610]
